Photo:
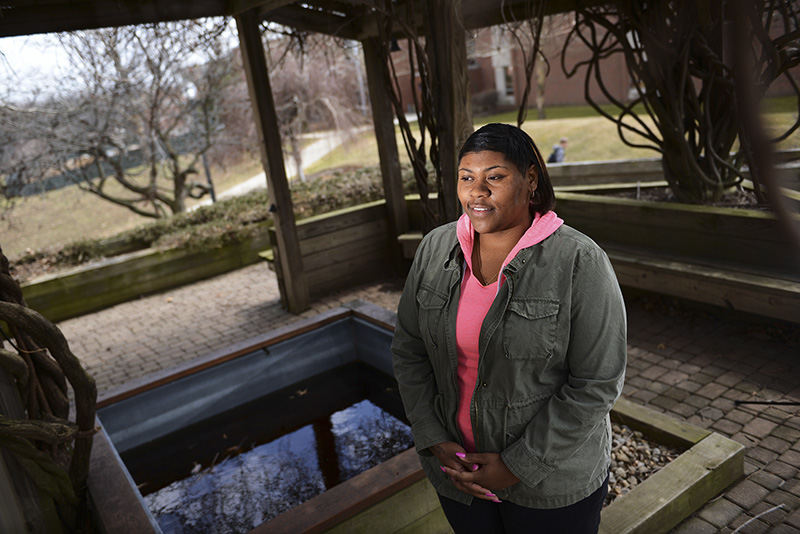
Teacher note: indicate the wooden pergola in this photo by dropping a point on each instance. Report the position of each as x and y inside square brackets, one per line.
[351, 19]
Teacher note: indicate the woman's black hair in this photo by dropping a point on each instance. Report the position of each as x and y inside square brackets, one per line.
[518, 147]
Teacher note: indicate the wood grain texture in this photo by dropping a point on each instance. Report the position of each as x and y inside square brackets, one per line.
[681, 487]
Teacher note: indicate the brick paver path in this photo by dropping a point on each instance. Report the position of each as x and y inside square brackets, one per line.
[692, 365]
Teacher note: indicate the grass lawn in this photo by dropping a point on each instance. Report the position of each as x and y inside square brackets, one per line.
[591, 137]
[58, 217]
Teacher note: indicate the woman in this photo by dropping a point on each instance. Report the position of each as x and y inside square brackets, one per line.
[510, 350]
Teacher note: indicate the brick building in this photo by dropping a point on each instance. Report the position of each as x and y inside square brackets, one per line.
[496, 69]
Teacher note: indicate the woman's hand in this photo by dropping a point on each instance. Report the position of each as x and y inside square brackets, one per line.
[452, 456]
[478, 471]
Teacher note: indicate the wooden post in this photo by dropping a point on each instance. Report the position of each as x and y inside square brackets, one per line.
[255, 66]
[383, 122]
[446, 48]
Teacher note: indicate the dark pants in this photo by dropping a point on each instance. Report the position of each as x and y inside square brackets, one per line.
[486, 517]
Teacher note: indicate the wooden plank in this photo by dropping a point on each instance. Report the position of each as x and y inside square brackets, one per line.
[351, 252]
[348, 498]
[332, 240]
[417, 502]
[409, 242]
[684, 485]
[139, 273]
[617, 187]
[770, 297]
[433, 522]
[25, 18]
[354, 271]
[312, 20]
[481, 14]
[340, 219]
[657, 426]
[383, 123]
[255, 65]
[117, 505]
[741, 239]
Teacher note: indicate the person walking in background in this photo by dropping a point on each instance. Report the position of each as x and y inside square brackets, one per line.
[559, 150]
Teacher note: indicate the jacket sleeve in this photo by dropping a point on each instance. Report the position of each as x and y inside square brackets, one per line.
[595, 357]
[412, 366]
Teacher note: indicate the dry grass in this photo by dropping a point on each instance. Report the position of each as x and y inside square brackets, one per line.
[58, 217]
[54, 218]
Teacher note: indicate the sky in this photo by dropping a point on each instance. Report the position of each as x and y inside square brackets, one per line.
[29, 62]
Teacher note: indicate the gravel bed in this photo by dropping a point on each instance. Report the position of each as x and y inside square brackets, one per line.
[633, 459]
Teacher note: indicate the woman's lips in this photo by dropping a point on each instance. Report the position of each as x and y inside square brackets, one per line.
[480, 209]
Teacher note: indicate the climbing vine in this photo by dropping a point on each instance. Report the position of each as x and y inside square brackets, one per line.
[41, 443]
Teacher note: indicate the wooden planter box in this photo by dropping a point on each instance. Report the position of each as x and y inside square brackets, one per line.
[341, 248]
[740, 239]
[114, 280]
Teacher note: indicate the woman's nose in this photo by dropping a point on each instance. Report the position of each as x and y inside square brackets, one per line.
[480, 189]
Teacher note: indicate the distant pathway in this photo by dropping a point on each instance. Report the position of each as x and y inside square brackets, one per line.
[690, 365]
[326, 142]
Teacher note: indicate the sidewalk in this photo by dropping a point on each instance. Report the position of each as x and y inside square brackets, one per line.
[690, 364]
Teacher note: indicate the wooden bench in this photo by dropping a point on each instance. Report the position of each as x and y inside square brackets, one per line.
[340, 249]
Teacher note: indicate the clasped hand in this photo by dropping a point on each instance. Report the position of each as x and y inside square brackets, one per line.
[477, 474]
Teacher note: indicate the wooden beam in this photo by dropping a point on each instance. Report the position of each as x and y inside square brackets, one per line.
[313, 20]
[255, 65]
[446, 48]
[481, 14]
[383, 122]
[24, 17]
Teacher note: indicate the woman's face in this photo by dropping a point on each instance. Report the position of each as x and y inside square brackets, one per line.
[493, 192]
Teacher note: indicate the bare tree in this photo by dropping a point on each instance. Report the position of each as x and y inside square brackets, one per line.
[314, 84]
[679, 57]
[131, 122]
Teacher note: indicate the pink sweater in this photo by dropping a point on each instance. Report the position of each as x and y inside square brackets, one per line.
[475, 301]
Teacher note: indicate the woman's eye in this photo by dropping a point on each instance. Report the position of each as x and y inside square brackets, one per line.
[465, 178]
[495, 177]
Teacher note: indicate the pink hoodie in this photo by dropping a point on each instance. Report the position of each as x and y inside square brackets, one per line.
[473, 305]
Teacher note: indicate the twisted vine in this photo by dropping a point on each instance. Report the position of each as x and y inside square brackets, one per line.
[678, 56]
[53, 451]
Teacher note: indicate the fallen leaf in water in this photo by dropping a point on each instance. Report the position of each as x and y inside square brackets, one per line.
[301, 392]
[661, 346]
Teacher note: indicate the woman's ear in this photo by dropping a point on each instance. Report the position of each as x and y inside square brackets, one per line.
[533, 178]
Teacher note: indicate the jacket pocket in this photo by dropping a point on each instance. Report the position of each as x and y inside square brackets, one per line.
[530, 328]
[518, 414]
[431, 305]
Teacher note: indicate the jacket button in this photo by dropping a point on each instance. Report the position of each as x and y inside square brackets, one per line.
[485, 384]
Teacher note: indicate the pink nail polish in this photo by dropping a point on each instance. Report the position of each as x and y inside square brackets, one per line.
[461, 455]
[475, 467]
[442, 468]
[490, 495]
[496, 500]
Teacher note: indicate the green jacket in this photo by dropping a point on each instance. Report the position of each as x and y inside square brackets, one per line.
[552, 363]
